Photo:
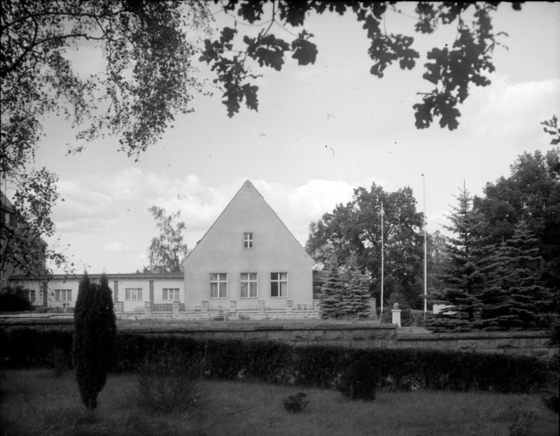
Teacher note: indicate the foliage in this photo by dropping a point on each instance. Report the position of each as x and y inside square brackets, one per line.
[165, 384]
[58, 361]
[331, 295]
[354, 229]
[94, 338]
[358, 381]
[305, 366]
[144, 82]
[516, 298]
[296, 403]
[531, 194]
[466, 272]
[167, 251]
[451, 70]
[15, 299]
[551, 127]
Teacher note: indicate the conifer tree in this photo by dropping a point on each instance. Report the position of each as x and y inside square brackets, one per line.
[516, 298]
[94, 338]
[359, 295]
[331, 305]
[465, 275]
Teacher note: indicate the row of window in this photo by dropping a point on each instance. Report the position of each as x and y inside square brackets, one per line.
[169, 294]
[249, 285]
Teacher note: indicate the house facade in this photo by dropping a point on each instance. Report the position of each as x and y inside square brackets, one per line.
[131, 292]
[248, 260]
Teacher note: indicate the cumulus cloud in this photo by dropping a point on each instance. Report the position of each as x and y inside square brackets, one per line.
[512, 110]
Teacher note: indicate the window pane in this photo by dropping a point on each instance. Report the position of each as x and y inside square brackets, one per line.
[253, 289]
[253, 276]
[244, 289]
[223, 290]
[213, 277]
[165, 294]
[274, 276]
[213, 290]
[283, 289]
[283, 276]
[274, 289]
[244, 276]
[222, 277]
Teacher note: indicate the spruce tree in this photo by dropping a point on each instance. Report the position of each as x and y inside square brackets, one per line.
[332, 295]
[465, 274]
[94, 338]
[516, 298]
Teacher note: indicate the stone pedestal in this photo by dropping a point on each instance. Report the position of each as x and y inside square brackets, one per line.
[396, 317]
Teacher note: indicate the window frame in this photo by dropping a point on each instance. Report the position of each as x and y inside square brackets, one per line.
[248, 241]
[249, 281]
[65, 292]
[219, 280]
[165, 293]
[128, 293]
[279, 280]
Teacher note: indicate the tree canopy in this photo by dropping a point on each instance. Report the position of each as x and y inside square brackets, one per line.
[167, 251]
[354, 229]
[450, 70]
[145, 82]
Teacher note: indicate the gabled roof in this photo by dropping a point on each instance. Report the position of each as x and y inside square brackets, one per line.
[249, 188]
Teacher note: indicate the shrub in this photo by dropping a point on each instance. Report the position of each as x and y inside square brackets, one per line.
[358, 381]
[166, 384]
[15, 300]
[94, 338]
[296, 403]
[58, 361]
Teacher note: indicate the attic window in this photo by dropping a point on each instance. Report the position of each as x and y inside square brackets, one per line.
[247, 240]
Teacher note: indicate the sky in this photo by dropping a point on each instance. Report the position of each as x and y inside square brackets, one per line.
[320, 132]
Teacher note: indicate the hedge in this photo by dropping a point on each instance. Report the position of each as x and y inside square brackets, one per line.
[306, 366]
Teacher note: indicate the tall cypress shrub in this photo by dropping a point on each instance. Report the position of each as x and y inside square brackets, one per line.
[331, 295]
[94, 338]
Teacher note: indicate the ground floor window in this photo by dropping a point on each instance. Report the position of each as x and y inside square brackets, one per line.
[218, 285]
[62, 295]
[171, 294]
[133, 293]
[278, 284]
[248, 285]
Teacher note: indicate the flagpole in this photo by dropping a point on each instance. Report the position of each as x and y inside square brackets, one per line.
[382, 260]
[425, 252]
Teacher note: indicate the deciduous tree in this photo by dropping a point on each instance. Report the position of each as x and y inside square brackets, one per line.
[144, 82]
[451, 70]
[167, 251]
[354, 229]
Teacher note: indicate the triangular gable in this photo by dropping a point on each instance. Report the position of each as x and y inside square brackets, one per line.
[248, 189]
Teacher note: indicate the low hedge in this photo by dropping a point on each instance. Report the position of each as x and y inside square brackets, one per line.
[317, 366]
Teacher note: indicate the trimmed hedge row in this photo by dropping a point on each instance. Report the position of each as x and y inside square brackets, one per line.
[318, 366]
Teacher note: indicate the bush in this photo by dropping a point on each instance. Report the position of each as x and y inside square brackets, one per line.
[15, 300]
[296, 403]
[358, 381]
[166, 384]
[58, 361]
[309, 366]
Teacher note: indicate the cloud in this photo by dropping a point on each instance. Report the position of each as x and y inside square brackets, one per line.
[512, 110]
[81, 209]
[117, 247]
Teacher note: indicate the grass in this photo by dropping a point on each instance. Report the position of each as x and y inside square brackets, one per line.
[36, 403]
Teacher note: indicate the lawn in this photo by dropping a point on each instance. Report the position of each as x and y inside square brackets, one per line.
[36, 403]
